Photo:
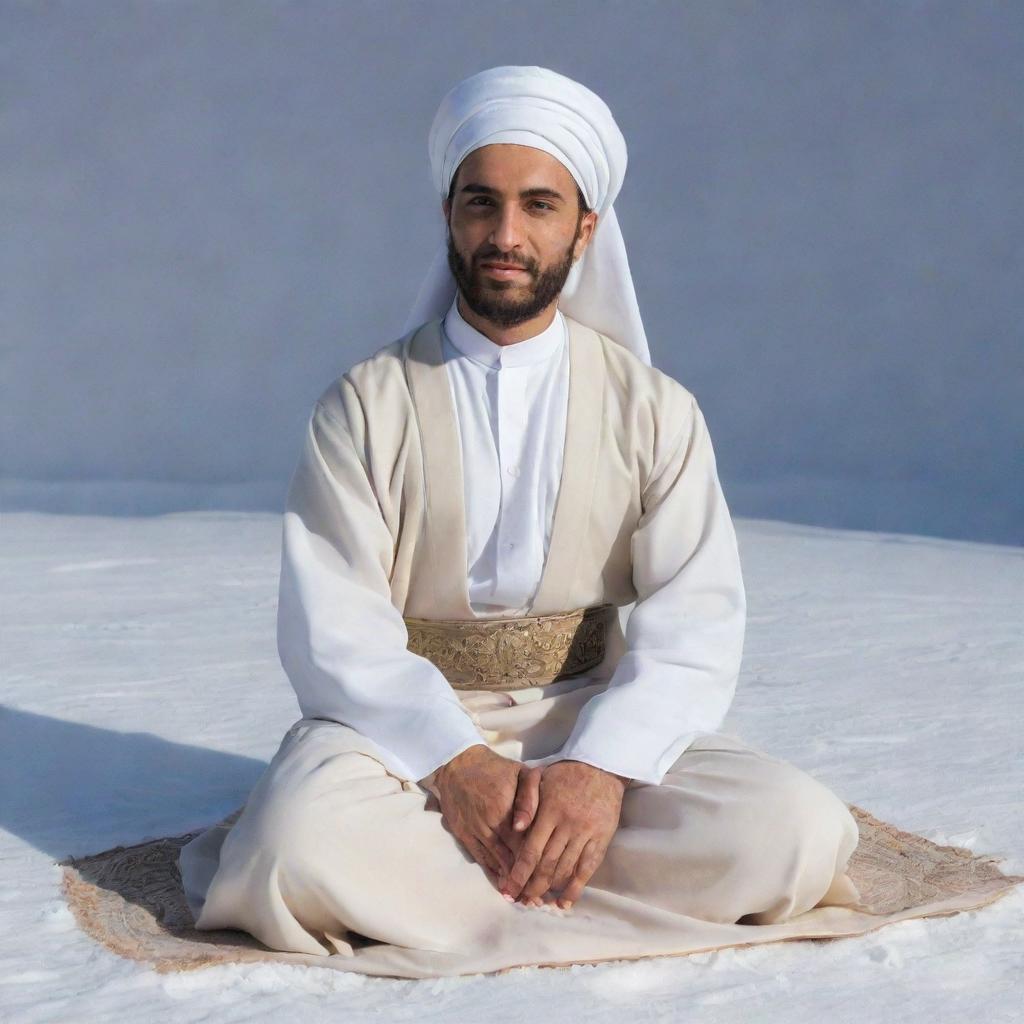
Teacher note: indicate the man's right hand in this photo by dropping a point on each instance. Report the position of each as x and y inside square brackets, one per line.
[488, 802]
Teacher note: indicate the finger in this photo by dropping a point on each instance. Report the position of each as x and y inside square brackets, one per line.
[590, 860]
[527, 800]
[482, 855]
[505, 856]
[484, 858]
[567, 863]
[540, 881]
[513, 840]
[512, 837]
[529, 855]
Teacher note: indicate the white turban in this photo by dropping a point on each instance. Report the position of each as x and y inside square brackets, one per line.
[533, 106]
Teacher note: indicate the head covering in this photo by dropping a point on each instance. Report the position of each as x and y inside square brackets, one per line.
[533, 106]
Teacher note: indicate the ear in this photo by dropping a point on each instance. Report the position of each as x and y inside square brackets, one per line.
[588, 225]
[445, 209]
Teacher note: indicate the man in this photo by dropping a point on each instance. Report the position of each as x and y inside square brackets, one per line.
[481, 746]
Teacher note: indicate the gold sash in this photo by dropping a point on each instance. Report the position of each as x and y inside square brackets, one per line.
[513, 653]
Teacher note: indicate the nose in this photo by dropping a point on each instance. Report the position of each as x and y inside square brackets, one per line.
[508, 234]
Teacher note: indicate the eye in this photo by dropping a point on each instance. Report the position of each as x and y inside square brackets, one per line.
[540, 202]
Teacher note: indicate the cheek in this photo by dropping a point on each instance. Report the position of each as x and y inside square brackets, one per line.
[556, 250]
[468, 240]
[557, 239]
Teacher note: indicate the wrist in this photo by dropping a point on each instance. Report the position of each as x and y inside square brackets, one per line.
[463, 759]
[624, 779]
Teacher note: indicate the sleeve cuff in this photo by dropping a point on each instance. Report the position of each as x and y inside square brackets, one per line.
[427, 780]
[436, 744]
[620, 760]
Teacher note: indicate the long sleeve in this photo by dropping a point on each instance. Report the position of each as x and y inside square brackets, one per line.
[341, 641]
[684, 637]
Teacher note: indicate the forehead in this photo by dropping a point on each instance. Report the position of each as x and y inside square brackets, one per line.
[504, 164]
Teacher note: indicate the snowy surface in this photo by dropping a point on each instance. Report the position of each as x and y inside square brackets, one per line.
[142, 697]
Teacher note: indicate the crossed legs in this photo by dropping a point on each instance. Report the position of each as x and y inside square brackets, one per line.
[331, 843]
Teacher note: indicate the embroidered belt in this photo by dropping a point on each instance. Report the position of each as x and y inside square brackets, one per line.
[513, 653]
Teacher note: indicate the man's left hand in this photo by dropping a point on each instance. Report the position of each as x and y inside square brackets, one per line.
[577, 816]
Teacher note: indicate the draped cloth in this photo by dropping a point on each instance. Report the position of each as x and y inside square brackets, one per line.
[132, 901]
[534, 106]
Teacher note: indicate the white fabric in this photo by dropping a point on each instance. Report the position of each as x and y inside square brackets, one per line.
[534, 106]
[511, 404]
[684, 637]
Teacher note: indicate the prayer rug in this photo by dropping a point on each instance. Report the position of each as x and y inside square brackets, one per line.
[130, 899]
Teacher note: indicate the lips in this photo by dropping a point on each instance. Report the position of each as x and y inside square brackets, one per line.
[502, 270]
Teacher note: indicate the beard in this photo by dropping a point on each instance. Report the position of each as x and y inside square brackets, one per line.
[489, 299]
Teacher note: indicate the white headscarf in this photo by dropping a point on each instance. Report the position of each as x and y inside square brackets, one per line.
[533, 106]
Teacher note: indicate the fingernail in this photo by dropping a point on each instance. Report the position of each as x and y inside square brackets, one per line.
[508, 898]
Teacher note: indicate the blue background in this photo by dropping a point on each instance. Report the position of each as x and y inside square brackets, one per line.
[210, 210]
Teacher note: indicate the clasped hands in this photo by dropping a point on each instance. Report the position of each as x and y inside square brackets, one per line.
[534, 830]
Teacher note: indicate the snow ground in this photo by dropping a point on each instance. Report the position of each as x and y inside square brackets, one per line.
[142, 697]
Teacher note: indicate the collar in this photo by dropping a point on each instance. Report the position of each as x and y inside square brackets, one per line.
[478, 347]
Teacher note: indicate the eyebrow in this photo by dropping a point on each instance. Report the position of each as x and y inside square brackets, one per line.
[527, 193]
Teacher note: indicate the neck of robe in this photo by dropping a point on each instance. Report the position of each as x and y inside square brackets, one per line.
[444, 526]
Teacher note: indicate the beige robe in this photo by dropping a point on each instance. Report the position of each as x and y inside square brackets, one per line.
[335, 847]
[375, 527]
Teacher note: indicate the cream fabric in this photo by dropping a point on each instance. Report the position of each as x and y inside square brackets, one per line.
[331, 844]
[534, 106]
[338, 835]
[640, 517]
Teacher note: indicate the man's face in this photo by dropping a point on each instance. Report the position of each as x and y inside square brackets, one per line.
[513, 207]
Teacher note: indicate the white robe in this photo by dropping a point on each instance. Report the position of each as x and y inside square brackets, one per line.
[677, 675]
[511, 404]
[393, 499]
